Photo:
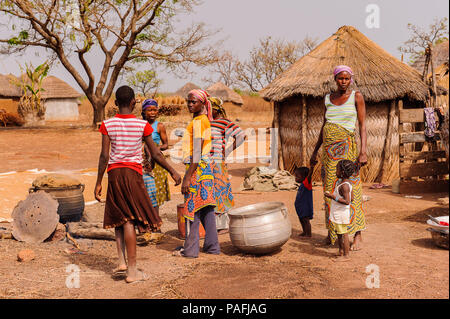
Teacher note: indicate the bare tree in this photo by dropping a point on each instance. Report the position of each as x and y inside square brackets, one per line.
[420, 39]
[269, 59]
[225, 70]
[118, 31]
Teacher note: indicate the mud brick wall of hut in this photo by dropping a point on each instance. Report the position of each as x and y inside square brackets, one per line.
[382, 166]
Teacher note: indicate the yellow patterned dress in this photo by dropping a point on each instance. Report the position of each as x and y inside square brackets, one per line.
[339, 144]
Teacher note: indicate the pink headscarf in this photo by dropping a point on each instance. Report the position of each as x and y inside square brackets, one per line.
[202, 95]
[343, 68]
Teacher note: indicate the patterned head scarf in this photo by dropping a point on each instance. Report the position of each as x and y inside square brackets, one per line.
[216, 104]
[343, 68]
[202, 95]
[147, 103]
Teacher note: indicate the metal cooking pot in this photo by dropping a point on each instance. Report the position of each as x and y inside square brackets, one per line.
[260, 228]
[70, 199]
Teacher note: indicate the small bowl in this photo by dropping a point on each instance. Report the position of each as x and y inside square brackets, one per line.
[437, 226]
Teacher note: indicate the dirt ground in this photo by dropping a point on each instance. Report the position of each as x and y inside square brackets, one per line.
[396, 241]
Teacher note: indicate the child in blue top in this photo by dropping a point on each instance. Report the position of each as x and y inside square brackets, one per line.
[304, 200]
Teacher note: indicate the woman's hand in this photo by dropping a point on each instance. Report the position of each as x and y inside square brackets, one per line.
[185, 185]
[98, 192]
[362, 159]
[313, 160]
[176, 178]
[329, 195]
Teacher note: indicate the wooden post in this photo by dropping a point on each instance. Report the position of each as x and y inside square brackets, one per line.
[388, 142]
[400, 144]
[276, 151]
[304, 160]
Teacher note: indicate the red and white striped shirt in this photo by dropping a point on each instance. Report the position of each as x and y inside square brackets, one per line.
[125, 133]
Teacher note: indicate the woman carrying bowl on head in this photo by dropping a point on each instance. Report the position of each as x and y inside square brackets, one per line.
[343, 109]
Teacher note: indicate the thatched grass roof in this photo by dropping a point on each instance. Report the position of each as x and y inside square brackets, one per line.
[7, 87]
[55, 88]
[440, 56]
[184, 90]
[378, 75]
[225, 93]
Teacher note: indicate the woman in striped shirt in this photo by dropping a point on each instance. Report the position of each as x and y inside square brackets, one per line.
[343, 109]
[222, 129]
[127, 202]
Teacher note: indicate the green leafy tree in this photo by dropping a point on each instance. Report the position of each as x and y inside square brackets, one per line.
[116, 32]
[30, 83]
[144, 82]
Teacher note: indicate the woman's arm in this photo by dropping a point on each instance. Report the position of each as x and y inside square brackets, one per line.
[196, 156]
[164, 140]
[361, 110]
[102, 164]
[313, 160]
[159, 158]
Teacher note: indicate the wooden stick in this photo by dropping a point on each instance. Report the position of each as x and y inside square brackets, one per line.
[73, 240]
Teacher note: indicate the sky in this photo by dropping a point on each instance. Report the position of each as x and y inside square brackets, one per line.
[243, 22]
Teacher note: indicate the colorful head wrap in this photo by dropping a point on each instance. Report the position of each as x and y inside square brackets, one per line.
[216, 104]
[343, 68]
[202, 95]
[147, 103]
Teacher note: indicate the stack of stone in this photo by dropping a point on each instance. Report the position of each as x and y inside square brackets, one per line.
[264, 179]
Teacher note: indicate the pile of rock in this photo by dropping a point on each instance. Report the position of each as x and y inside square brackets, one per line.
[264, 179]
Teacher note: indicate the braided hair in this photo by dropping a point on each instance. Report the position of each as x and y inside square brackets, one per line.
[347, 168]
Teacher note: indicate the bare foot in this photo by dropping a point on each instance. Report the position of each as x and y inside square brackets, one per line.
[139, 277]
[356, 245]
[120, 269]
[341, 258]
[302, 235]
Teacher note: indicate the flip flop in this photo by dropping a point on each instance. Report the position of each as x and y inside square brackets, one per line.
[117, 271]
[144, 277]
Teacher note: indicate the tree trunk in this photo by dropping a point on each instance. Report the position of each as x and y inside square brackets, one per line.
[99, 114]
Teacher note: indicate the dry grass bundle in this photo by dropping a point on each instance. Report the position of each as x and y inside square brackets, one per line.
[378, 75]
[10, 119]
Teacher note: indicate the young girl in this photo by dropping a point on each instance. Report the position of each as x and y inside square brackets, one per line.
[127, 202]
[304, 199]
[198, 182]
[155, 177]
[340, 206]
[151, 110]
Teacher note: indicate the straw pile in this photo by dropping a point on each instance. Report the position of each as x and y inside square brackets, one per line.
[264, 179]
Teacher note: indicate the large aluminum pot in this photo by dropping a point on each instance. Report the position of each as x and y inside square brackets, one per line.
[260, 228]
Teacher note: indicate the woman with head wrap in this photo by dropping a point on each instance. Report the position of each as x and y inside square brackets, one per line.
[343, 108]
[198, 182]
[150, 111]
[222, 129]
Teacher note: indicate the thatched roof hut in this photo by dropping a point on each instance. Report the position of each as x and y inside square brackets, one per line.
[8, 89]
[184, 90]
[55, 88]
[225, 93]
[298, 96]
